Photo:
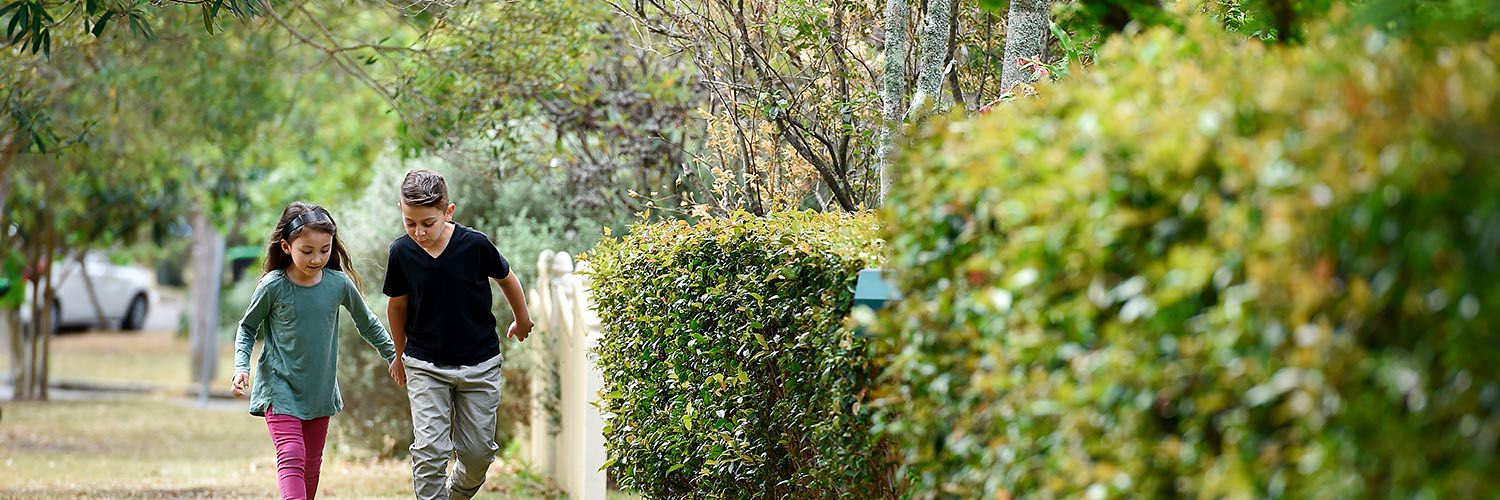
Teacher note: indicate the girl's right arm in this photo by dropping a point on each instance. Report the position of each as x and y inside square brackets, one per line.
[244, 340]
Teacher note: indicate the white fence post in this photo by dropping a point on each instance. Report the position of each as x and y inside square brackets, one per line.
[572, 454]
[542, 445]
[564, 295]
[589, 426]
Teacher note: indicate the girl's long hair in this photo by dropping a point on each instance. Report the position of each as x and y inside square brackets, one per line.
[278, 259]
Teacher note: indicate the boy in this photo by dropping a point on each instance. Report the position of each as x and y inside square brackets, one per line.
[447, 352]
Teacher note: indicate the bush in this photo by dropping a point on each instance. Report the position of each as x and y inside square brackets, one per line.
[728, 372]
[1207, 269]
[234, 299]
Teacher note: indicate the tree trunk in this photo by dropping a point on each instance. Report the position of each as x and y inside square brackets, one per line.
[841, 153]
[12, 323]
[44, 338]
[22, 344]
[208, 257]
[896, 14]
[950, 68]
[26, 389]
[984, 76]
[33, 381]
[934, 59]
[4, 195]
[1025, 34]
[26, 384]
[10, 147]
[1283, 17]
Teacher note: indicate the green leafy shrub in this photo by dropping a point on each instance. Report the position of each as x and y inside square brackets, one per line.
[1207, 269]
[728, 370]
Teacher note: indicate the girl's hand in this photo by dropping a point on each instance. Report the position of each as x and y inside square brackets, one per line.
[241, 380]
[519, 331]
[398, 371]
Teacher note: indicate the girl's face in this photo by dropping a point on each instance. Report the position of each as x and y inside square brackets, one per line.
[309, 250]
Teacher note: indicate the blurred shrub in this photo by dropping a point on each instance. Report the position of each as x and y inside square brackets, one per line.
[377, 416]
[234, 299]
[522, 216]
[1431, 19]
[728, 372]
[1423, 22]
[1207, 269]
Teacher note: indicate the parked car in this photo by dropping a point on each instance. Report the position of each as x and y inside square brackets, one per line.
[126, 294]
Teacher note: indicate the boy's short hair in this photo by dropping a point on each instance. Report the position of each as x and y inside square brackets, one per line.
[424, 188]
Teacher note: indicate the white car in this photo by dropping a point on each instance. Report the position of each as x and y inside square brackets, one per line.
[126, 295]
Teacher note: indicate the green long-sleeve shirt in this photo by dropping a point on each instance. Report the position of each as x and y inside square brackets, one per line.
[298, 366]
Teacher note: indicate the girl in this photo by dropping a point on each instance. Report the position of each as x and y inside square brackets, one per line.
[307, 277]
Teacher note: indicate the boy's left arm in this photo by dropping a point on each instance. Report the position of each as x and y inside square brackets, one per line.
[511, 287]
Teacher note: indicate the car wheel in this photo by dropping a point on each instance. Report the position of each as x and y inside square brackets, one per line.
[135, 317]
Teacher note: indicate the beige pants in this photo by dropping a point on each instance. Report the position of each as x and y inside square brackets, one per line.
[453, 415]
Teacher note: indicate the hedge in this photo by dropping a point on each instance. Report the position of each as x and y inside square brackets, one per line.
[728, 369]
[1206, 268]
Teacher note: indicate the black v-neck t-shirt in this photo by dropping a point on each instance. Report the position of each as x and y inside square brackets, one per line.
[448, 315]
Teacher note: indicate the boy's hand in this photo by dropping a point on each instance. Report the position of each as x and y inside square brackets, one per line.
[398, 371]
[241, 380]
[519, 331]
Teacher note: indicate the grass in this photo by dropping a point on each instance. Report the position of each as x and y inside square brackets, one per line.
[158, 448]
[156, 359]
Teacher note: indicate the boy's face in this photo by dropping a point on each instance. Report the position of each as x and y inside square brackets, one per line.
[425, 225]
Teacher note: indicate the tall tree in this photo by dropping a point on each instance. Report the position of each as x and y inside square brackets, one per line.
[602, 113]
[789, 92]
[1025, 37]
[223, 111]
[934, 62]
[893, 81]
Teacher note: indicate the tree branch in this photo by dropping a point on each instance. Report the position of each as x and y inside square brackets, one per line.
[839, 192]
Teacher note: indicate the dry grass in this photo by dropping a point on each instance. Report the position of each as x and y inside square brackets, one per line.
[158, 446]
[152, 448]
[156, 359]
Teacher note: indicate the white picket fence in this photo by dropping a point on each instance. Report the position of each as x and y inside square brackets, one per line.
[567, 446]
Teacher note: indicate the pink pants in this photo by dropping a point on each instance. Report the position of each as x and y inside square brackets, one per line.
[299, 453]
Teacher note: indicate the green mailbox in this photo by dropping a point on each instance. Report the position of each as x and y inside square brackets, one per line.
[872, 290]
[241, 257]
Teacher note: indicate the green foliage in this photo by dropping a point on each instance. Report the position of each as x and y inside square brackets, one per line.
[1207, 268]
[522, 218]
[1287, 20]
[223, 133]
[234, 299]
[31, 21]
[543, 88]
[12, 285]
[376, 420]
[728, 370]
[1432, 19]
[23, 117]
